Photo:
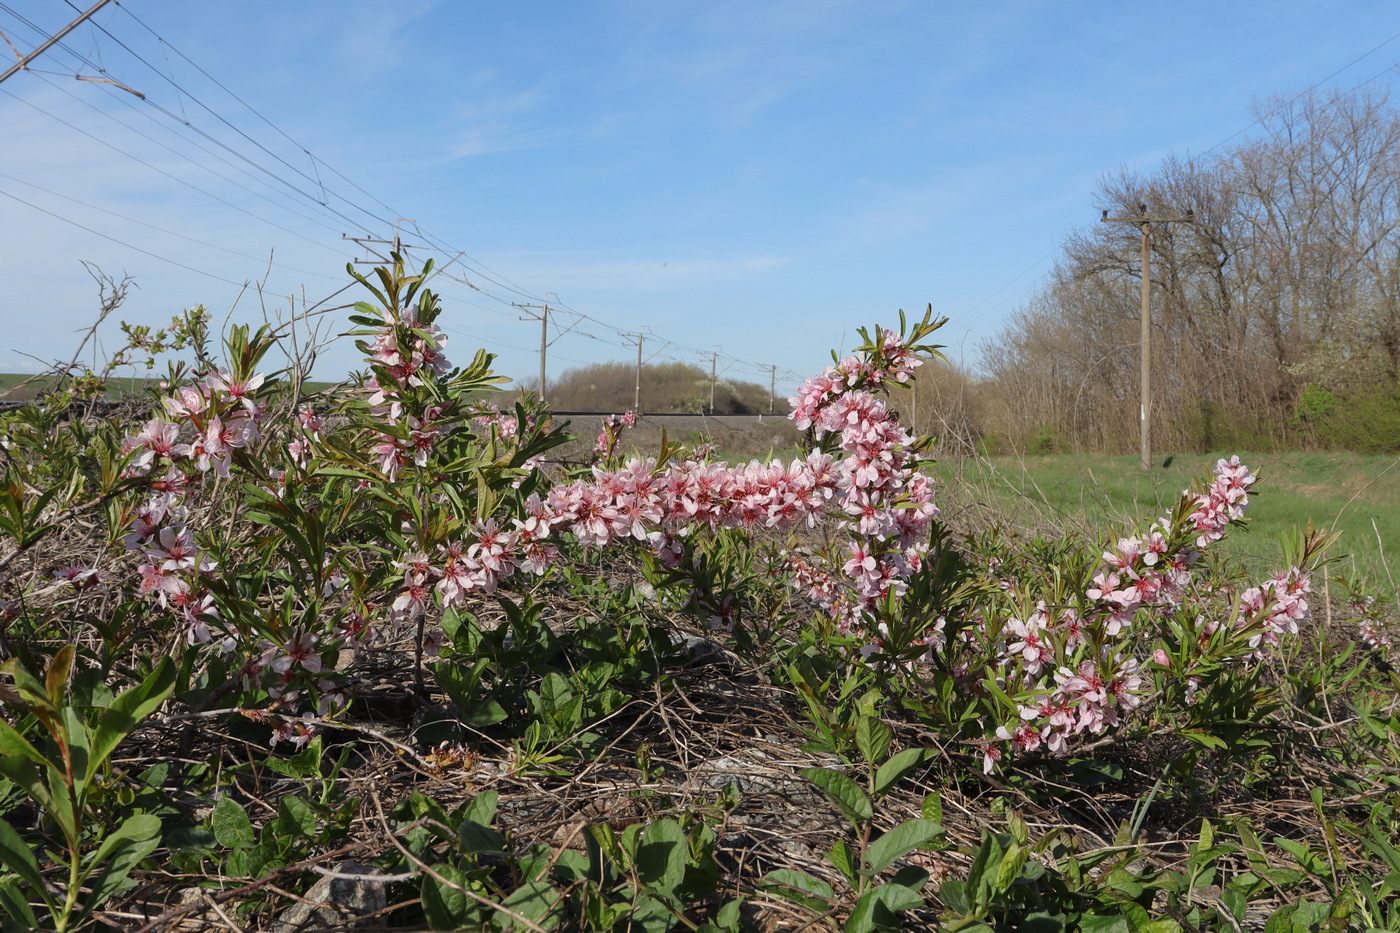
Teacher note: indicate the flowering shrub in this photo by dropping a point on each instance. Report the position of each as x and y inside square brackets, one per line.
[1022, 659]
[1069, 654]
[267, 540]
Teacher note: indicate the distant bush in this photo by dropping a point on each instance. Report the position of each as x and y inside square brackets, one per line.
[1364, 419]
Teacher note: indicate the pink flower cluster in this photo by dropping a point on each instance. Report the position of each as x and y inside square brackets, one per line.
[487, 555]
[639, 501]
[404, 348]
[1224, 502]
[1139, 574]
[1373, 632]
[1085, 699]
[613, 426]
[299, 448]
[885, 503]
[173, 569]
[224, 418]
[502, 425]
[885, 500]
[895, 362]
[1276, 606]
[78, 576]
[221, 415]
[876, 489]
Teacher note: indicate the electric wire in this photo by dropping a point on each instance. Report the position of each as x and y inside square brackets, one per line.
[251, 109]
[182, 236]
[125, 98]
[483, 273]
[161, 171]
[185, 155]
[216, 115]
[105, 236]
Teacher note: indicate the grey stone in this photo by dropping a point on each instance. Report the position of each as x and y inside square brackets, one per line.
[340, 899]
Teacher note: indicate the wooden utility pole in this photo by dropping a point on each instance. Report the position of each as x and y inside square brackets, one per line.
[543, 317]
[1145, 222]
[714, 356]
[53, 40]
[772, 388]
[637, 391]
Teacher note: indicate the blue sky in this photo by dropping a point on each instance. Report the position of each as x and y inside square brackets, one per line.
[756, 178]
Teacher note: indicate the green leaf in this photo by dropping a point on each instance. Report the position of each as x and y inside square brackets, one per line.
[295, 818]
[445, 905]
[538, 901]
[840, 856]
[1207, 837]
[933, 806]
[127, 711]
[1010, 867]
[14, 904]
[985, 863]
[15, 745]
[799, 887]
[482, 808]
[232, 828]
[136, 829]
[486, 713]
[954, 894]
[878, 908]
[911, 876]
[1158, 926]
[893, 771]
[1102, 923]
[18, 858]
[79, 752]
[661, 856]
[727, 917]
[872, 738]
[112, 876]
[898, 842]
[1203, 738]
[56, 680]
[843, 792]
[473, 838]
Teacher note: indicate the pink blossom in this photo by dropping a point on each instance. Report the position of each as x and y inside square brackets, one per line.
[79, 576]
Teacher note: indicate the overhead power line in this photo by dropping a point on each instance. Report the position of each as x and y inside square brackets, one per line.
[311, 187]
[105, 236]
[182, 236]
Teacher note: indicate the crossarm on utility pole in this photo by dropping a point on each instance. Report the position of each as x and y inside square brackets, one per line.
[543, 317]
[53, 40]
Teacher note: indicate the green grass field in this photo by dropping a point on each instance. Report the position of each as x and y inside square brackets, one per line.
[1358, 495]
[17, 387]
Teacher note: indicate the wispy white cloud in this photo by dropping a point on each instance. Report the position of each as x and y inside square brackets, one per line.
[738, 60]
[486, 118]
[376, 37]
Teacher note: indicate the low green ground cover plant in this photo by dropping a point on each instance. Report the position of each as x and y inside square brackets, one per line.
[255, 631]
